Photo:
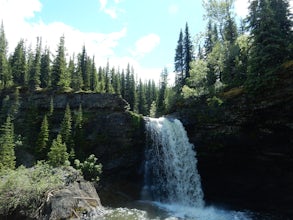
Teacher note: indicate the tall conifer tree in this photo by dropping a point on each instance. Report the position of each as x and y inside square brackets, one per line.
[60, 76]
[7, 155]
[5, 74]
[188, 51]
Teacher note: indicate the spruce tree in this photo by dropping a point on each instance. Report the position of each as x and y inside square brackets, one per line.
[141, 99]
[83, 68]
[101, 80]
[162, 92]
[179, 62]
[188, 51]
[43, 139]
[271, 30]
[93, 77]
[122, 79]
[130, 87]
[117, 83]
[35, 72]
[209, 39]
[7, 154]
[5, 73]
[107, 78]
[79, 131]
[58, 155]
[18, 64]
[66, 128]
[76, 77]
[60, 76]
[45, 76]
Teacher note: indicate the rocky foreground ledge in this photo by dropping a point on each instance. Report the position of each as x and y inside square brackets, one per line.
[70, 198]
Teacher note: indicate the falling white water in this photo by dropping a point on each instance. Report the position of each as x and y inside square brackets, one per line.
[171, 174]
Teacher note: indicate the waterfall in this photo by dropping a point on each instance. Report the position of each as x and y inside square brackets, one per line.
[171, 174]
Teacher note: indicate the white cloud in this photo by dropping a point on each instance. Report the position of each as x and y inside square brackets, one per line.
[101, 45]
[103, 4]
[241, 7]
[173, 9]
[112, 10]
[17, 27]
[146, 44]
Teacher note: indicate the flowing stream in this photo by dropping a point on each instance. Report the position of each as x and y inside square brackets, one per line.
[172, 187]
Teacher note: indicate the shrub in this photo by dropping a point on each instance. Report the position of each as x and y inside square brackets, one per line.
[89, 168]
[25, 189]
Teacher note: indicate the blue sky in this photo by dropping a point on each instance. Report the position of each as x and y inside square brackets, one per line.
[143, 33]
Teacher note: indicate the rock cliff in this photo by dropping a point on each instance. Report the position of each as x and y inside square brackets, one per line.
[114, 134]
[245, 148]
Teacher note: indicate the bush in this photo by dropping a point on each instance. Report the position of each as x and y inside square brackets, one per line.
[89, 168]
[214, 101]
[25, 189]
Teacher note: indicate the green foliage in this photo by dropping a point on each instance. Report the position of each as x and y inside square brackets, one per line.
[136, 119]
[26, 188]
[271, 30]
[89, 168]
[5, 74]
[66, 128]
[58, 155]
[35, 72]
[43, 139]
[188, 92]
[7, 154]
[198, 78]
[153, 110]
[214, 101]
[18, 64]
[162, 93]
[60, 75]
[45, 76]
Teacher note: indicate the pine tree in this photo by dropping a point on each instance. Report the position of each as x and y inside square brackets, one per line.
[101, 80]
[117, 83]
[29, 64]
[18, 64]
[58, 155]
[7, 155]
[93, 77]
[162, 92]
[34, 74]
[209, 40]
[79, 131]
[5, 74]
[188, 51]
[271, 31]
[45, 76]
[76, 76]
[130, 87]
[141, 99]
[83, 68]
[107, 78]
[60, 76]
[179, 62]
[66, 128]
[122, 79]
[43, 139]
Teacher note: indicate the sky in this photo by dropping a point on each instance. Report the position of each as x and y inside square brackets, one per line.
[143, 33]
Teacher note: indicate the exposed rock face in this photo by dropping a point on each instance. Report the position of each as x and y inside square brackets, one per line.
[245, 152]
[110, 131]
[78, 199]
